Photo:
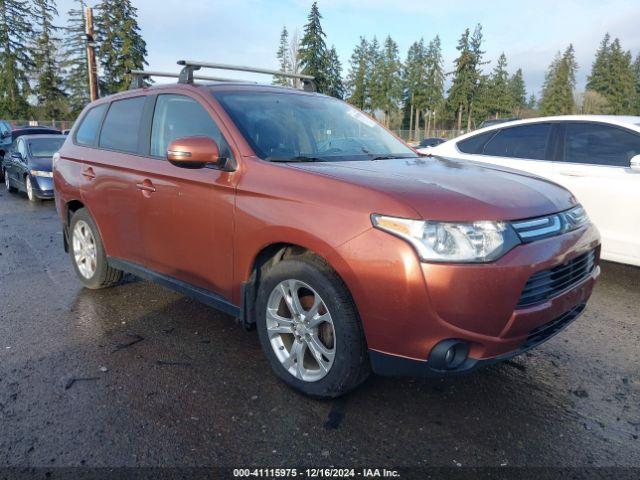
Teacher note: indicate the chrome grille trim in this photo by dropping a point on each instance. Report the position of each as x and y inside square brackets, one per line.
[538, 227]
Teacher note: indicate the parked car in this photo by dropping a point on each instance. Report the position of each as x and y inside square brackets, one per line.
[302, 216]
[430, 142]
[496, 121]
[16, 133]
[596, 157]
[28, 166]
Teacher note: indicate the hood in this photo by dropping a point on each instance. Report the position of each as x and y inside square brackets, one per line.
[444, 189]
[44, 164]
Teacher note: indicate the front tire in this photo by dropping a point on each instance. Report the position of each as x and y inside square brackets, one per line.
[29, 187]
[309, 328]
[87, 253]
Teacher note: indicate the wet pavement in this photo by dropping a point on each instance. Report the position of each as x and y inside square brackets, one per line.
[137, 375]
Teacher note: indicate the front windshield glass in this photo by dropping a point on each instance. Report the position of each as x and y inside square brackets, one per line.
[45, 147]
[284, 126]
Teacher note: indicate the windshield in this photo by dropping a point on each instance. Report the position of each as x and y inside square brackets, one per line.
[293, 127]
[45, 147]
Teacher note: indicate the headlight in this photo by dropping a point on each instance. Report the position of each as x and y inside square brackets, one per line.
[41, 173]
[574, 218]
[476, 242]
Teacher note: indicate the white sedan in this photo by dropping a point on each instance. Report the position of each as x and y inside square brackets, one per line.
[597, 157]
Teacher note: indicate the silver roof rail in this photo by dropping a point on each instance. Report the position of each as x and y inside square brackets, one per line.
[139, 76]
[189, 66]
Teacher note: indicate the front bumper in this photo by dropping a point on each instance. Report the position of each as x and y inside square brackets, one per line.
[408, 307]
[42, 187]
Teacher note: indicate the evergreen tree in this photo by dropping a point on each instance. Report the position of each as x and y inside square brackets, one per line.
[357, 78]
[414, 79]
[284, 60]
[518, 92]
[122, 47]
[500, 100]
[532, 103]
[434, 78]
[620, 92]
[374, 80]
[390, 77]
[598, 80]
[475, 45]
[464, 78]
[16, 33]
[335, 87]
[636, 74]
[75, 60]
[49, 85]
[313, 50]
[557, 91]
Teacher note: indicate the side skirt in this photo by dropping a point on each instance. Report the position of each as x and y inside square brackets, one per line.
[197, 293]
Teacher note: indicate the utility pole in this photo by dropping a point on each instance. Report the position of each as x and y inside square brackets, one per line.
[91, 55]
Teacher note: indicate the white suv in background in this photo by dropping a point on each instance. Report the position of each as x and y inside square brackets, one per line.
[597, 157]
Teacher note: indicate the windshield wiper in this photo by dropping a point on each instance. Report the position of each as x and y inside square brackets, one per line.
[388, 157]
[300, 158]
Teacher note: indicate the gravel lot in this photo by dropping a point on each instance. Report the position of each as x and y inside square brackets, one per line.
[137, 375]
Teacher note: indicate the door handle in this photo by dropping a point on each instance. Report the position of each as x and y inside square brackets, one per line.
[146, 186]
[89, 173]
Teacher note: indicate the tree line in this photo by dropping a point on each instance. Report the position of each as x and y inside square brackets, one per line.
[414, 93]
[44, 71]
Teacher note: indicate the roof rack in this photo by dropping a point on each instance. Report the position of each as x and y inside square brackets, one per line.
[139, 76]
[189, 66]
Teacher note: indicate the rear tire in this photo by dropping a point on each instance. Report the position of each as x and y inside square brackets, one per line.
[7, 183]
[87, 253]
[290, 340]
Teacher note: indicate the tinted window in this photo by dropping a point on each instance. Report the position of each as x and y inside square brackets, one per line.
[22, 149]
[526, 141]
[598, 144]
[177, 116]
[120, 128]
[87, 133]
[474, 144]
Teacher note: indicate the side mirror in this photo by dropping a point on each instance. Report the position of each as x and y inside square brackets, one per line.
[16, 156]
[6, 134]
[635, 163]
[193, 152]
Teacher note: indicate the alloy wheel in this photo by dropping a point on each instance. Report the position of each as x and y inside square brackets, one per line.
[301, 330]
[85, 252]
[29, 188]
[7, 182]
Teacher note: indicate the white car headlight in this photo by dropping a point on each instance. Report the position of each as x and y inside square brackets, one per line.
[474, 242]
[574, 218]
[41, 173]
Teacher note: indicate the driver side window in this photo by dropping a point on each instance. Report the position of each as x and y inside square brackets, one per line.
[178, 116]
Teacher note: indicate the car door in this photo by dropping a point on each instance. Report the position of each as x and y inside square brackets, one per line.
[594, 163]
[187, 218]
[16, 166]
[524, 147]
[111, 165]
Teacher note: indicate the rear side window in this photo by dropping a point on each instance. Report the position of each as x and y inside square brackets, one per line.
[120, 128]
[598, 144]
[474, 144]
[178, 116]
[526, 141]
[87, 133]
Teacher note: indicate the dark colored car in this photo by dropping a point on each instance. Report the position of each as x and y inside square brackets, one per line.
[28, 167]
[9, 140]
[431, 142]
[302, 216]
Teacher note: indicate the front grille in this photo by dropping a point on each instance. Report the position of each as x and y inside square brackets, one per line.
[537, 228]
[548, 330]
[547, 284]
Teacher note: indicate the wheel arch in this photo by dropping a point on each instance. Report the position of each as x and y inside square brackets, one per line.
[70, 207]
[269, 255]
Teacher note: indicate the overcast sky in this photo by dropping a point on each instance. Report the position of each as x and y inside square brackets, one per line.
[246, 32]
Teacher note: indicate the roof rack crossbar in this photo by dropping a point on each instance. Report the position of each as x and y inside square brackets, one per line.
[139, 76]
[189, 66]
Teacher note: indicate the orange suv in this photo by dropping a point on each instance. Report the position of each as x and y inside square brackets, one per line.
[302, 216]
